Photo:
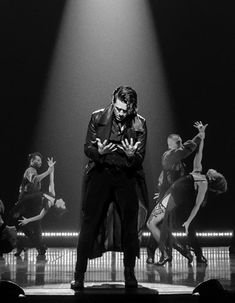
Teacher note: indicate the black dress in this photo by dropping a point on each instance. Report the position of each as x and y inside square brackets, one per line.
[29, 206]
[182, 199]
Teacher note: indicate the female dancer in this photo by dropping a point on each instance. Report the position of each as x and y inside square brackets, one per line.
[183, 201]
[30, 210]
[173, 169]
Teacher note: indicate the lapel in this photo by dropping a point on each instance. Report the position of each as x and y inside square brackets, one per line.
[136, 127]
[105, 124]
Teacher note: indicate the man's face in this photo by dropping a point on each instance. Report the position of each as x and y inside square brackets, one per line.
[120, 110]
[174, 142]
[36, 162]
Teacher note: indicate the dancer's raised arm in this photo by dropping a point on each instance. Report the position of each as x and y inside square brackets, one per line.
[202, 185]
[197, 163]
[52, 183]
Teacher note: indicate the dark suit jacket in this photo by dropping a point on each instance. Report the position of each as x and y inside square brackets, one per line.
[109, 236]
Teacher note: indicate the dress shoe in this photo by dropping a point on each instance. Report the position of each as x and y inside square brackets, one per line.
[42, 251]
[78, 283]
[163, 260]
[201, 259]
[19, 251]
[130, 279]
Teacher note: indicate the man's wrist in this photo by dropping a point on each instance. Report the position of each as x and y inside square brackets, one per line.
[130, 155]
[101, 152]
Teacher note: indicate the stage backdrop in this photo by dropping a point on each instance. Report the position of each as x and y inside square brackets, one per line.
[61, 60]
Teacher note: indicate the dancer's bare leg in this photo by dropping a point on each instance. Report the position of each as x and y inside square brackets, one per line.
[156, 218]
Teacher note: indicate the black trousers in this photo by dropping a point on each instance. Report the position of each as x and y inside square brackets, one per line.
[103, 185]
[192, 239]
[33, 231]
[172, 222]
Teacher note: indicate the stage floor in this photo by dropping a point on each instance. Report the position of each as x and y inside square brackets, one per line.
[52, 275]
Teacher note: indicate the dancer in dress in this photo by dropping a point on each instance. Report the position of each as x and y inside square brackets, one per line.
[173, 167]
[184, 199]
[29, 210]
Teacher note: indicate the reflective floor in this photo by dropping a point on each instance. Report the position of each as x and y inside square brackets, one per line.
[54, 273]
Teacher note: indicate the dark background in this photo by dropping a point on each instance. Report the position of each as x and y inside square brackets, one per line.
[44, 110]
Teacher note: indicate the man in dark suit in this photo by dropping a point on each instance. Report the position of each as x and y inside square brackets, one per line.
[115, 145]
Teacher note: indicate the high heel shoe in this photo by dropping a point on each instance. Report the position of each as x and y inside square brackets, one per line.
[201, 259]
[163, 260]
[189, 257]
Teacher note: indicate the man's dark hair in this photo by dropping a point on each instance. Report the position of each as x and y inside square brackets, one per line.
[34, 155]
[127, 95]
[173, 136]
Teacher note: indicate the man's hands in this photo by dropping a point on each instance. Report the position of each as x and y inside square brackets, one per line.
[129, 148]
[104, 148]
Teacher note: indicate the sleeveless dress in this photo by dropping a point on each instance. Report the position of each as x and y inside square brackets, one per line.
[181, 202]
[29, 206]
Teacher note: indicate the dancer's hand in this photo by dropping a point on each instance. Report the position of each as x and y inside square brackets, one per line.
[24, 221]
[201, 128]
[186, 226]
[129, 148]
[51, 164]
[104, 148]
